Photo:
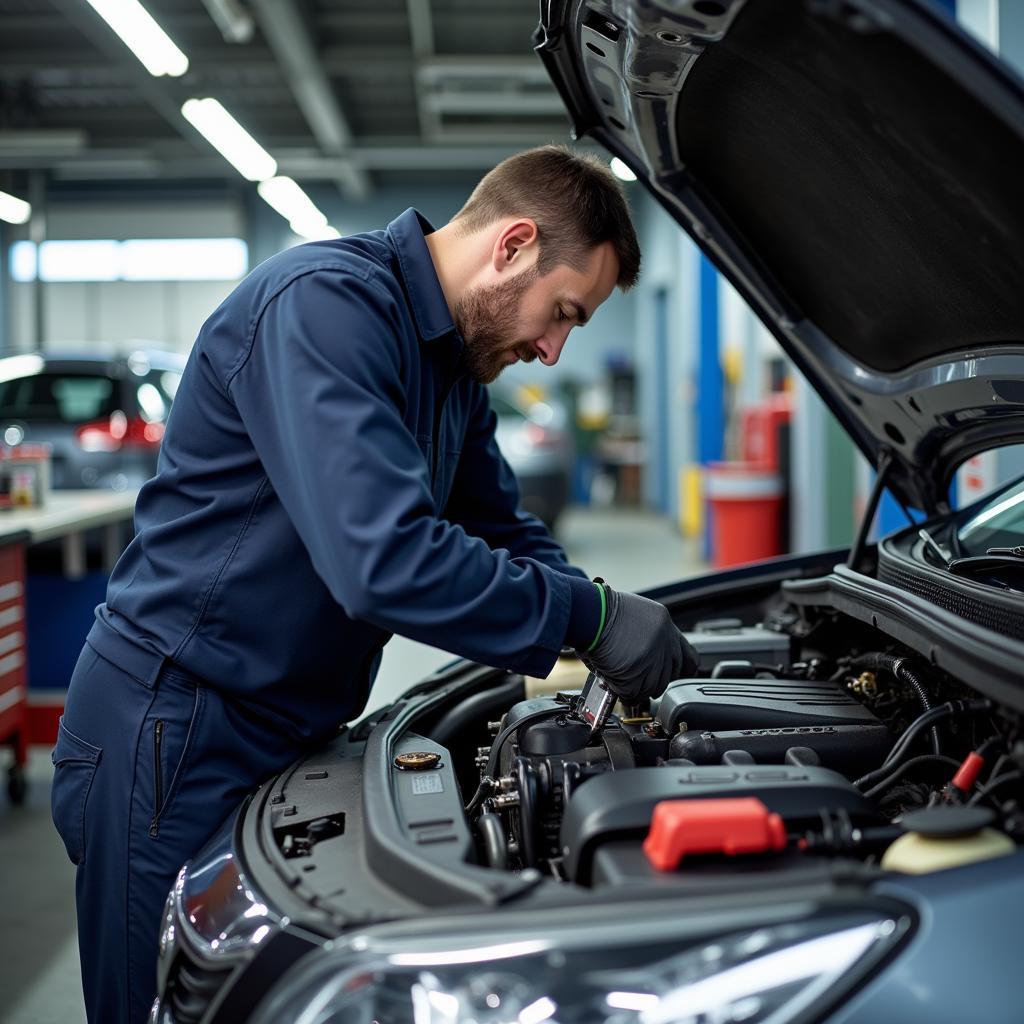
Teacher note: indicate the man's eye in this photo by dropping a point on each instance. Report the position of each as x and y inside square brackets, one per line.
[561, 314]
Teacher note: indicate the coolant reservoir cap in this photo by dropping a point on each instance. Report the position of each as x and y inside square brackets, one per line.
[947, 822]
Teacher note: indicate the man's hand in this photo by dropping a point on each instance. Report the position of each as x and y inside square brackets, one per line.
[639, 651]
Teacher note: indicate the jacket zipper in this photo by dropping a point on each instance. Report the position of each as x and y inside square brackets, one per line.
[158, 778]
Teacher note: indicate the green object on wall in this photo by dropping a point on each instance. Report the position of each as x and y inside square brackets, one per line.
[839, 484]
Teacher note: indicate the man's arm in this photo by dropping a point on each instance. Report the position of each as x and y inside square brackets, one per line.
[485, 496]
[320, 393]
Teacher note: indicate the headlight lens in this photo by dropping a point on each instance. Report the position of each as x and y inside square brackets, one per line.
[217, 912]
[592, 975]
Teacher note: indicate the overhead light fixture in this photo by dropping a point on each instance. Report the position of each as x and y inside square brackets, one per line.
[142, 35]
[14, 210]
[302, 214]
[621, 170]
[229, 138]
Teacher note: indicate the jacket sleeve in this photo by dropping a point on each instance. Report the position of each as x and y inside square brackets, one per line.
[320, 394]
[485, 496]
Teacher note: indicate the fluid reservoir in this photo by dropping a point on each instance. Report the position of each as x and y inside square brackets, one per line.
[946, 837]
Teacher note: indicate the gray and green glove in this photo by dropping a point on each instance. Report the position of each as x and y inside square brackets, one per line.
[639, 651]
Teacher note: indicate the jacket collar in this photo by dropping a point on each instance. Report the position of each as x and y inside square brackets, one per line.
[429, 308]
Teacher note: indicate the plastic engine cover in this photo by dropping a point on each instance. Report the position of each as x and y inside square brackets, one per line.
[619, 805]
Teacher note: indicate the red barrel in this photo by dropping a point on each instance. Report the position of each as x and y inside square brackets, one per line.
[746, 501]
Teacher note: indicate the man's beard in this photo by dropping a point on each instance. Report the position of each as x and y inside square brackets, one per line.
[487, 318]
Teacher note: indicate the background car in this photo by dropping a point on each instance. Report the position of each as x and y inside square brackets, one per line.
[534, 439]
[102, 416]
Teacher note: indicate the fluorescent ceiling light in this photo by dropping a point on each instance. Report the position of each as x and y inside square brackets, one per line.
[14, 210]
[229, 138]
[620, 170]
[142, 35]
[302, 214]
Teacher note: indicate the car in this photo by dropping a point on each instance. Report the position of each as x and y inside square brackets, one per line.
[825, 823]
[102, 416]
[533, 437]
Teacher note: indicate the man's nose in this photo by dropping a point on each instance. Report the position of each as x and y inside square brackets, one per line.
[549, 348]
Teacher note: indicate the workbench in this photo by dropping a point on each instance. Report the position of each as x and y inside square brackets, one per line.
[44, 616]
[66, 516]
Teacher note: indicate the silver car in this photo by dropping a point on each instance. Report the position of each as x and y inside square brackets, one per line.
[101, 416]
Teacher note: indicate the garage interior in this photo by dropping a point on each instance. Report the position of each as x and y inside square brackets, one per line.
[122, 227]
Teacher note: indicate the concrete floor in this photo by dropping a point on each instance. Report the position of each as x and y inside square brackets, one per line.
[39, 974]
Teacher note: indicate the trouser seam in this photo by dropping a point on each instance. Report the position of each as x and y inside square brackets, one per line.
[129, 945]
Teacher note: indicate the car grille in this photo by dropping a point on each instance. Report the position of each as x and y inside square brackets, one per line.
[990, 615]
[191, 988]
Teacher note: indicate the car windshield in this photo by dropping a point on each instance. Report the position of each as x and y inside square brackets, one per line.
[58, 398]
[999, 523]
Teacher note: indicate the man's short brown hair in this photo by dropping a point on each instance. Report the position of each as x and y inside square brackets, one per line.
[574, 199]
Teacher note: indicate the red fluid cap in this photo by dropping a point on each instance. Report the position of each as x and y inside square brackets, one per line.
[732, 826]
[967, 773]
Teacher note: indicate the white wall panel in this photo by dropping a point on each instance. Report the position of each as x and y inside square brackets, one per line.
[188, 219]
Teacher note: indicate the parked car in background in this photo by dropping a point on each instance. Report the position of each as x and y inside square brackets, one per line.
[536, 442]
[101, 415]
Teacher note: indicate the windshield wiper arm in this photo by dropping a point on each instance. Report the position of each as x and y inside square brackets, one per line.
[994, 558]
[933, 545]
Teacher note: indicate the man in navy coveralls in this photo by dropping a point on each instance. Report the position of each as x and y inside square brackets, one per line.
[328, 477]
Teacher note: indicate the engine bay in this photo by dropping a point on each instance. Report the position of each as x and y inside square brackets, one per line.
[818, 731]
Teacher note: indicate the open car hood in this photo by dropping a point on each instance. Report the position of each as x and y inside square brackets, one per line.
[854, 168]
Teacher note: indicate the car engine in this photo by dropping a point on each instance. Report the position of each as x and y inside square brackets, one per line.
[837, 747]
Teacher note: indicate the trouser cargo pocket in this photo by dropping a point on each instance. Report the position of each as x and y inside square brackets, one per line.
[74, 762]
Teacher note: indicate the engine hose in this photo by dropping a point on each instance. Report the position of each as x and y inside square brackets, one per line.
[899, 668]
[499, 740]
[901, 770]
[495, 846]
[907, 674]
[485, 788]
[922, 722]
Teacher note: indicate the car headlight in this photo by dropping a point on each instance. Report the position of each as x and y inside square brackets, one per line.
[213, 908]
[633, 971]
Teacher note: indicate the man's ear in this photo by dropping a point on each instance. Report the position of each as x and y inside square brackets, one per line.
[515, 243]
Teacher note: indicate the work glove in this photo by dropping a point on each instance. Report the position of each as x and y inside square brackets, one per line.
[639, 651]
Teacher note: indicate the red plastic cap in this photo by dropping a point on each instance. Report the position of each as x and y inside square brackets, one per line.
[731, 826]
[967, 773]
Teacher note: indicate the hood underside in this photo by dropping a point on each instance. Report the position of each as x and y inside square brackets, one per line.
[854, 168]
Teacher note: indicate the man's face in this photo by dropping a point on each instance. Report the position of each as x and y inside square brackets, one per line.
[525, 317]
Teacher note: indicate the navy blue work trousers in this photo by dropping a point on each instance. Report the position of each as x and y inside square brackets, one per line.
[148, 763]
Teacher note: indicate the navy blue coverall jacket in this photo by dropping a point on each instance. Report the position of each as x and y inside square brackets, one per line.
[328, 477]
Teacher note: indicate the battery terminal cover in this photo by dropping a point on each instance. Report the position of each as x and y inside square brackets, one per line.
[732, 825]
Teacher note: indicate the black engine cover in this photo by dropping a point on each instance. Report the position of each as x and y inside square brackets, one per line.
[722, 704]
[619, 805]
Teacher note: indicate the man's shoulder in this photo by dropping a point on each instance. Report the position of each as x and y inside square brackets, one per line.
[367, 256]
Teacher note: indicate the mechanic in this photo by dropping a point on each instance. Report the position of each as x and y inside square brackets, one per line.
[329, 476]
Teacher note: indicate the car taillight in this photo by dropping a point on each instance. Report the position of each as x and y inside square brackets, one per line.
[117, 432]
[539, 437]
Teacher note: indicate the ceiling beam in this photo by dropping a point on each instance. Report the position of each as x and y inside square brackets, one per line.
[421, 33]
[288, 37]
[137, 163]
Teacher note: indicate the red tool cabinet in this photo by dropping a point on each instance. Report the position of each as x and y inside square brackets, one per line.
[13, 676]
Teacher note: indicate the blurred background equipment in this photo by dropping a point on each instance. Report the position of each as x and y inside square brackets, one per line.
[534, 439]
